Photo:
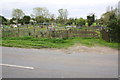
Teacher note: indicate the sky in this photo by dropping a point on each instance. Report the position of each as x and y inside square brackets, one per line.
[76, 8]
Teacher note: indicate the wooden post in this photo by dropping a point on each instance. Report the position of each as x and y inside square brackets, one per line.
[34, 33]
[18, 32]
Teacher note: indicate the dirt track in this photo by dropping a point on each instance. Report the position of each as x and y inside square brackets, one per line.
[95, 49]
[84, 49]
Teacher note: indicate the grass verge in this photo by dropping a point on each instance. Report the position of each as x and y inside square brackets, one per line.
[31, 42]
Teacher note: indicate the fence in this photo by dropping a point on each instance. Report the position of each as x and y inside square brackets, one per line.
[105, 35]
[36, 32]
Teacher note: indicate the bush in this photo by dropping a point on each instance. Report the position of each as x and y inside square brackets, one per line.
[114, 28]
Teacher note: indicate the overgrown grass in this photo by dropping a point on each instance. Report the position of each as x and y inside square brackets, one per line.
[31, 42]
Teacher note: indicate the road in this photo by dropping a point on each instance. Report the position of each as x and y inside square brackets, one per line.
[50, 63]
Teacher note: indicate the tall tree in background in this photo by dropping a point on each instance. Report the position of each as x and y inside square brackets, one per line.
[3, 20]
[63, 14]
[41, 13]
[91, 19]
[18, 14]
[70, 21]
[39, 19]
[38, 11]
[52, 17]
[26, 19]
[12, 21]
[106, 16]
[80, 22]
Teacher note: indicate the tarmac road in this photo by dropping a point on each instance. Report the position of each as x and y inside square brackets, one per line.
[49, 63]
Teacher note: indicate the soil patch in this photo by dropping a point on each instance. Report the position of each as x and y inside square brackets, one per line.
[94, 49]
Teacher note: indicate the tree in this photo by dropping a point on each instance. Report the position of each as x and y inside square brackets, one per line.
[114, 26]
[40, 19]
[40, 14]
[3, 20]
[26, 19]
[70, 21]
[18, 14]
[12, 21]
[63, 14]
[106, 16]
[80, 22]
[112, 21]
[52, 17]
[38, 11]
[91, 19]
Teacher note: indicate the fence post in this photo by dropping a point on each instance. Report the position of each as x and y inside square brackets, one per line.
[53, 33]
[2, 32]
[18, 32]
[105, 35]
[85, 33]
[66, 33]
[34, 33]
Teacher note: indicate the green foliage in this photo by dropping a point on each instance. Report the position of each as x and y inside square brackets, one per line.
[80, 22]
[3, 20]
[31, 42]
[40, 19]
[94, 24]
[17, 13]
[114, 28]
[57, 40]
[70, 21]
[112, 20]
[91, 19]
[106, 16]
[12, 20]
[26, 19]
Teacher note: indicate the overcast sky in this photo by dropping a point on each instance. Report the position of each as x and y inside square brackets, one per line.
[76, 8]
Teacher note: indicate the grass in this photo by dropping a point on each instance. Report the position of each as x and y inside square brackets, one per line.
[31, 42]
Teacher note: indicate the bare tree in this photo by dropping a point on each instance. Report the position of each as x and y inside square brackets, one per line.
[63, 13]
[52, 17]
[17, 13]
[38, 11]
